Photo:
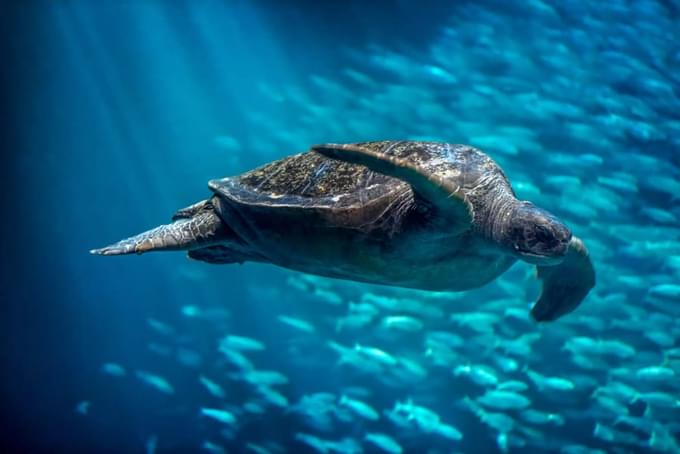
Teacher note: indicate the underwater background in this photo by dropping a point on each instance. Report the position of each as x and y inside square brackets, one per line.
[117, 113]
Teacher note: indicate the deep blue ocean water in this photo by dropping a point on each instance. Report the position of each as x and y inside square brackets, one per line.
[117, 113]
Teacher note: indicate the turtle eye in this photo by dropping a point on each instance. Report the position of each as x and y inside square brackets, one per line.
[543, 235]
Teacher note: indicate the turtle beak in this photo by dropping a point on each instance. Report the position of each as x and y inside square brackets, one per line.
[562, 236]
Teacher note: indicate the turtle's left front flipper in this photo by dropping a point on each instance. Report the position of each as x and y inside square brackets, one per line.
[414, 166]
[564, 285]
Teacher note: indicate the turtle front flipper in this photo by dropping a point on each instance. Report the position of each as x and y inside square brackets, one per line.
[564, 285]
[425, 169]
[203, 229]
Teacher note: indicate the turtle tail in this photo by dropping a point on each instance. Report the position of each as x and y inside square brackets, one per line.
[201, 228]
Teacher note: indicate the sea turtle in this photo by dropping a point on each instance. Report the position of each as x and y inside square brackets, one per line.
[425, 215]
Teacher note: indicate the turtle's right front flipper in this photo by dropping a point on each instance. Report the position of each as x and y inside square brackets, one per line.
[203, 228]
[564, 285]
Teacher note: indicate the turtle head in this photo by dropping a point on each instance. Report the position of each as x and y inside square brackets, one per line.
[536, 236]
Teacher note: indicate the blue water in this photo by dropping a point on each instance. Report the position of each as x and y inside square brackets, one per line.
[115, 114]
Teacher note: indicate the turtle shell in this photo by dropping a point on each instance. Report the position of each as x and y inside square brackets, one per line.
[326, 191]
[313, 176]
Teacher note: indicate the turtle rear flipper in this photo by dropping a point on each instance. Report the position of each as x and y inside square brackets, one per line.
[204, 228]
[564, 285]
